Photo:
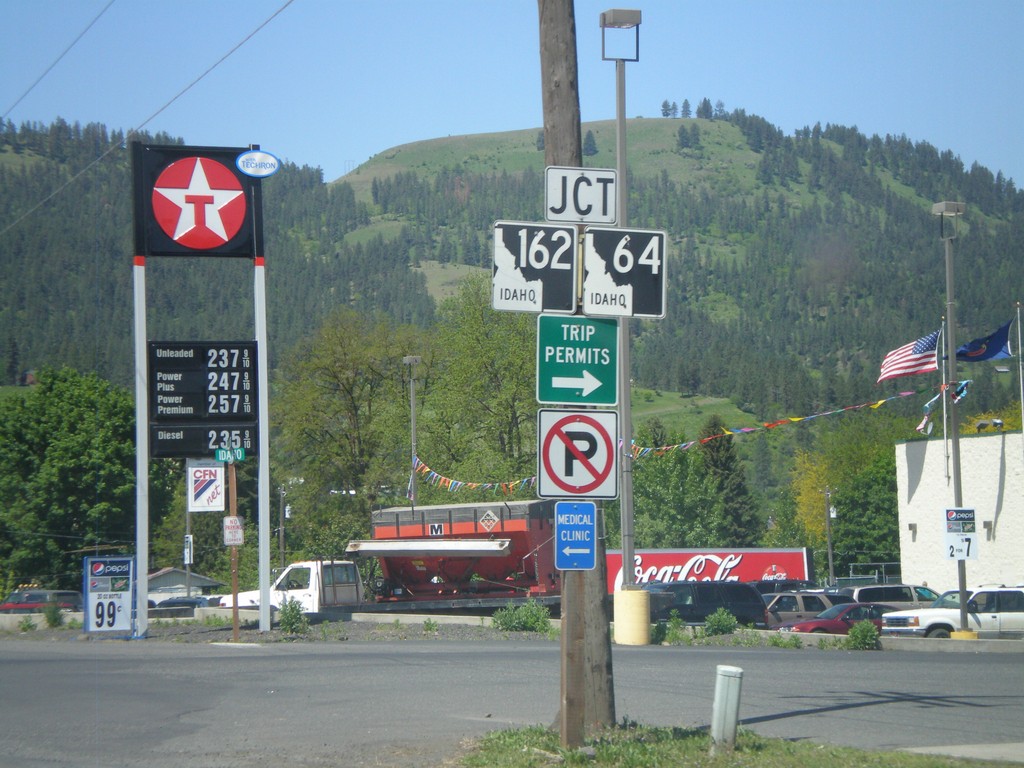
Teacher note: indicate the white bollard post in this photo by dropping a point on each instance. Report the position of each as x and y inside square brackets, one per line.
[725, 710]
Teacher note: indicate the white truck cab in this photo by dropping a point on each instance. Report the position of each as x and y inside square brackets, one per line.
[315, 584]
[992, 613]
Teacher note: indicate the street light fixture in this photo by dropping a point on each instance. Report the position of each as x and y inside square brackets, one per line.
[952, 211]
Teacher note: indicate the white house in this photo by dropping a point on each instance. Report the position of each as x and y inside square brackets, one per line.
[992, 484]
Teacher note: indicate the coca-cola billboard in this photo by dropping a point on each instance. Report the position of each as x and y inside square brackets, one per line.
[711, 565]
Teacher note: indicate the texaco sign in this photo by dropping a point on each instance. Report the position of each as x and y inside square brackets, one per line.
[194, 201]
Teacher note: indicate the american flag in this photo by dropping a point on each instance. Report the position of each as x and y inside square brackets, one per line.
[916, 357]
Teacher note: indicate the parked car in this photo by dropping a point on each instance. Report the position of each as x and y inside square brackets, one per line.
[992, 613]
[838, 619]
[786, 607]
[36, 600]
[696, 600]
[900, 596]
[184, 602]
[768, 587]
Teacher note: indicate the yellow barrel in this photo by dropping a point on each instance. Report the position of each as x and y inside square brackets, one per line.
[632, 616]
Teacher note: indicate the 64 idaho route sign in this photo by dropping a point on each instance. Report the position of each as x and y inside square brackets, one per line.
[623, 272]
[577, 454]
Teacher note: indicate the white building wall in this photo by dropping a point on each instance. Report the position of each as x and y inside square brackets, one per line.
[992, 483]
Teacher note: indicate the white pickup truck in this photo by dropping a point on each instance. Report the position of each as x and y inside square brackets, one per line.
[991, 612]
[314, 584]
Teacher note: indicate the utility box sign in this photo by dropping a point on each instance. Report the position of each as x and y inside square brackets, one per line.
[109, 584]
[535, 267]
[961, 534]
[577, 360]
[233, 531]
[580, 195]
[205, 481]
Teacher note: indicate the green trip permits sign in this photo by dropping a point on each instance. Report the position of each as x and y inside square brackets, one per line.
[577, 360]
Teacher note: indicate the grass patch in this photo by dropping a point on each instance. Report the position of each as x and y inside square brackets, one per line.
[633, 746]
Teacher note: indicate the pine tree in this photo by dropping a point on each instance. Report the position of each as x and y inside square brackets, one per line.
[722, 463]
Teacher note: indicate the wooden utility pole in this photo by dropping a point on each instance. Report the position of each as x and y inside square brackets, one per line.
[587, 691]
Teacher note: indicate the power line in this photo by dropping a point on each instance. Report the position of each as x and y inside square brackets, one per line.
[144, 123]
[57, 60]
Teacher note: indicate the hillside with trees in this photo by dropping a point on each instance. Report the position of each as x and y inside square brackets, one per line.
[795, 263]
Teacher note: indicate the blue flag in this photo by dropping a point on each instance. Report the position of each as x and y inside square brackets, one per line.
[995, 346]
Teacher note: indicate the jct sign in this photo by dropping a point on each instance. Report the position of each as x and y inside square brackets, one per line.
[581, 195]
[577, 454]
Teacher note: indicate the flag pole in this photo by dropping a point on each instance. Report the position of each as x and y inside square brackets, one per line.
[945, 363]
[1020, 374]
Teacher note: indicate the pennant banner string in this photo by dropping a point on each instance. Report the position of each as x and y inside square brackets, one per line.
[440, 481]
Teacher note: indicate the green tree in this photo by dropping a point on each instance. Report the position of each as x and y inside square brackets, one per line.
[479, 412]
[343, 416]
[866, 526]
[589, 144]
[721, 461]
[675, 502]
[67, 477]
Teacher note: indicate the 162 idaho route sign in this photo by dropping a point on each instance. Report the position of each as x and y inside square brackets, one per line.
[535, 267]
[577, 454]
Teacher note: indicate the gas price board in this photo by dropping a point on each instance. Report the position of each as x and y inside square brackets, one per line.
[202, 397]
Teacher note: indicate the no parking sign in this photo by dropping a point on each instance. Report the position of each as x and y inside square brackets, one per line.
[577, 454]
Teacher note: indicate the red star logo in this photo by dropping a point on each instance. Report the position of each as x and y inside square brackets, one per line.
[198, 203]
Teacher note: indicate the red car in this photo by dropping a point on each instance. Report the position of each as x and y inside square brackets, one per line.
[838, 619]
[36, 600]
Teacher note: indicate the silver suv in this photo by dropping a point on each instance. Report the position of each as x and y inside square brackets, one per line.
[902, 597]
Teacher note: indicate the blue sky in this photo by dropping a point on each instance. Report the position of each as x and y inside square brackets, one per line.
[331, 83]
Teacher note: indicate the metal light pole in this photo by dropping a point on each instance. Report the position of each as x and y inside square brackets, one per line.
[618, 18]
[950, 210]
[828, 536]
[412, 361]
[280, 528]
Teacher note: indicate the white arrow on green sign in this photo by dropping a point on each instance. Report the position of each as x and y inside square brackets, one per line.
[577, 360]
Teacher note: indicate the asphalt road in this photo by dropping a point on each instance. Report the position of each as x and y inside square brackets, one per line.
[411, 703]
